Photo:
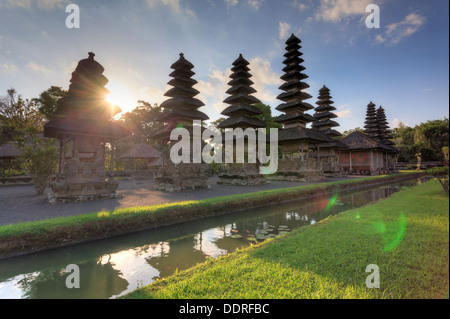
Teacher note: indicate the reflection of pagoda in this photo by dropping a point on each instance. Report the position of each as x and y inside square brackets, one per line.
[83, 127]
[179, 112]
[295, 138]
[181, 256]
[241, 114]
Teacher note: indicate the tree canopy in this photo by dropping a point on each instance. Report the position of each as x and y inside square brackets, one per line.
[18, 117]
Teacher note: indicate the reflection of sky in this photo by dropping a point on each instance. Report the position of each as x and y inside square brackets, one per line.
[11, 288]
[206, 241]
[134, 267]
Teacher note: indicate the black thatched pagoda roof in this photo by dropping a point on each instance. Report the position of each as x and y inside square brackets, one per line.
[182, 104]
[75, 126]
[324, 114]
[371, 123]
[84, 111]
[383, 128]
[293, 87]
[241, 111]
[300, 133]
[87, 93]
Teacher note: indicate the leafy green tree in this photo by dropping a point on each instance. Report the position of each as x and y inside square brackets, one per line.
[348, 132]
[427, 138]
[442, 175]
[267, 117]
[143, 119]
[214, 125]
[18, 117]
[39, 158]
[48, 99]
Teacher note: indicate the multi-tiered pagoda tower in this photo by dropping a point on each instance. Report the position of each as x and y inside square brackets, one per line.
[371, 123]
[83, 127]
[241, 111]
[295, 138]
[328, 154]
[324, 114]
[383, 127]
[241, 114]
[179, 112]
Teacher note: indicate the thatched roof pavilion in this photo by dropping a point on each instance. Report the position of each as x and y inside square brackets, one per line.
[141, 151]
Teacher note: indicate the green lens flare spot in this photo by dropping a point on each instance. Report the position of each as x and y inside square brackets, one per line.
[399, 234]
[331, 202]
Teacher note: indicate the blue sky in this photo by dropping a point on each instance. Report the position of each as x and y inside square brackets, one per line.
[403, 65]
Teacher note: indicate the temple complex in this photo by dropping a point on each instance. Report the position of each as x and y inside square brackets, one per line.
[180, 110]
[83, 126]
[241, 114]
[327, 154]
[295, 138]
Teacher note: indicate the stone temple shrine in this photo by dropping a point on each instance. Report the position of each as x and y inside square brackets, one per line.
[241, 114]
[180, 111]
[83, 126]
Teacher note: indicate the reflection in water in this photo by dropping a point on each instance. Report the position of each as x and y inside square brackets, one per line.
[116, 266]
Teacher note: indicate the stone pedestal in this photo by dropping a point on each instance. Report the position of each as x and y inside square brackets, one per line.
[182, 177]
[298, 170]
[242, 175]
[84, 176]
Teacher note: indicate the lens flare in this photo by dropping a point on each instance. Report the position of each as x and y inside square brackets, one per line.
[331, 202]
[392, 233]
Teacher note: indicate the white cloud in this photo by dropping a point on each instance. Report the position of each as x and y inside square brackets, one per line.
[153, 95]
[173, 4]
[337, 10]
[8, 68]
[68, 68]
[284, 30]
[28, 4]
[264, 77]
[255, 4]
[397, 123]
[342, 113]
[300, 5]
[212, 91]
[231, 3]
[190, 13]
[37, 67]
[395, 32]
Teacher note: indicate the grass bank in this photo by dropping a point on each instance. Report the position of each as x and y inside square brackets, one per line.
[406, 236]
[39, 235]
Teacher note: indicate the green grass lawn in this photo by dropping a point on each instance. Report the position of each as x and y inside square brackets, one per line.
[406, 236]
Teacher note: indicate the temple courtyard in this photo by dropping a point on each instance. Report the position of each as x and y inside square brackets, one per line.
[19, 203]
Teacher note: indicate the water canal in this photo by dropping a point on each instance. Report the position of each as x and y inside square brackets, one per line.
[113, 267]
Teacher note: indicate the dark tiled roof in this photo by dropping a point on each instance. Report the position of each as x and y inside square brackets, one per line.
[299, 133]
[360, 141]
[242, 121]
[9, 150]
[85, 126]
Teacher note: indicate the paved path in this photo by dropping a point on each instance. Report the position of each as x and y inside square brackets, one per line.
[21, 204]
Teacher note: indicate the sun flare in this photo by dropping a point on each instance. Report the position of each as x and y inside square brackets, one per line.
[121, 96]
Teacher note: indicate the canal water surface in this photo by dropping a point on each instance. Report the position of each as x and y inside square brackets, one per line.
[113, 267]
